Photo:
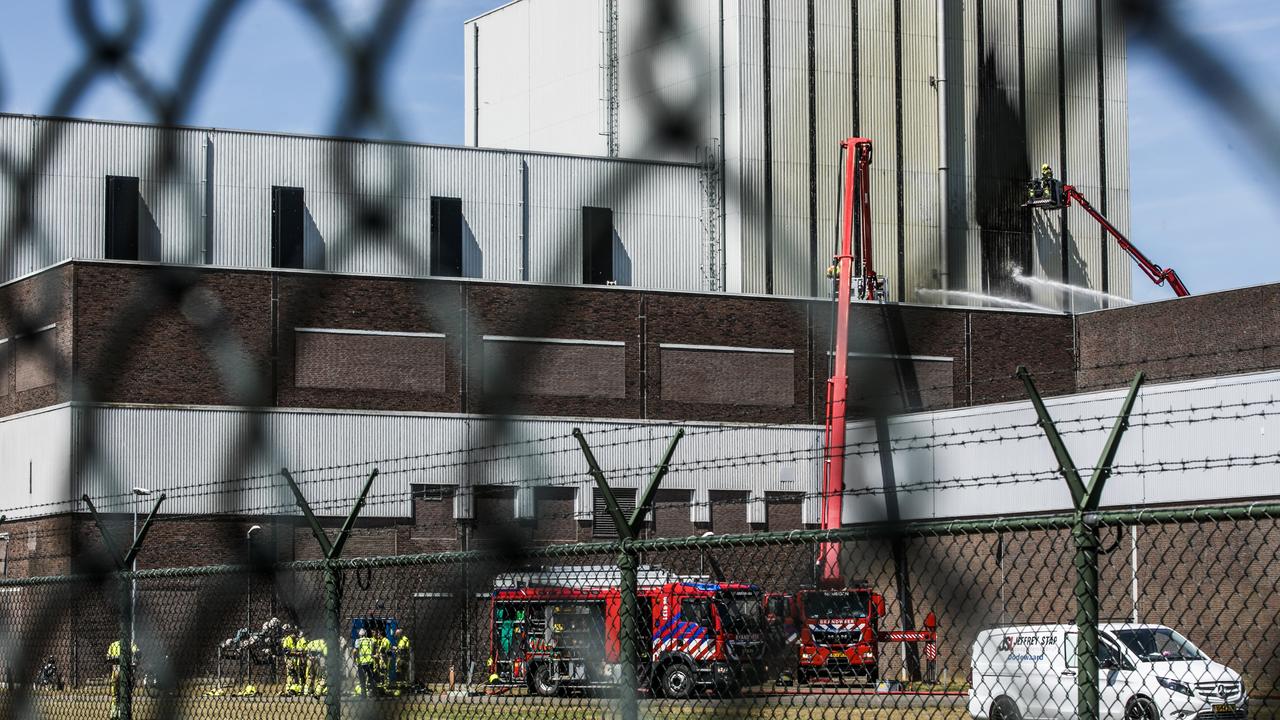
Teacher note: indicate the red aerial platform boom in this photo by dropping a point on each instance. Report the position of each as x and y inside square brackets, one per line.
[855, 225]
[1157, 274]
[1047, 194]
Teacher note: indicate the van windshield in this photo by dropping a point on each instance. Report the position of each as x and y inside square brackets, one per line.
[835, 605]
[1158, 645]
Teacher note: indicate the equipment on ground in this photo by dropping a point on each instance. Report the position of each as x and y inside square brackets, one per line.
[49, 676]
[1047, 193]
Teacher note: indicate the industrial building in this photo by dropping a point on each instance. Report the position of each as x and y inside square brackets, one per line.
[963, 101]
[393, 299]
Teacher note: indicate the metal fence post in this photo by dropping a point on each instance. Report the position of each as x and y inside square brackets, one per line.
[332, 551]
[1084, 535]
[124, 683]
[333, 648]
[627, 561]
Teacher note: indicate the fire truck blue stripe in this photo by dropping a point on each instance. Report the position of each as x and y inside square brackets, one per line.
[665, 630]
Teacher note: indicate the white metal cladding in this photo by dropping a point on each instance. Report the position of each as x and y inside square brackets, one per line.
[657, 217]
[994, 460]
[518, 209]
[17, 135]
[35, 454]
[68, 203]
[202, 458]
[685, 75]
[879, 67]
[983, 461]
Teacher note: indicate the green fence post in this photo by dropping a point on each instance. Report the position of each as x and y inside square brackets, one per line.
[333, 647]
[331, 551]
[124, 684]
[1084, 536]
[627, 561]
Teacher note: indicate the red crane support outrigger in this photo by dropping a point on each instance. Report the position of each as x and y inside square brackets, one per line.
[1046, 193]
[855, 221]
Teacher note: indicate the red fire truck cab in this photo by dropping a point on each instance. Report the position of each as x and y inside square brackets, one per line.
[559, 628]
[834, 634]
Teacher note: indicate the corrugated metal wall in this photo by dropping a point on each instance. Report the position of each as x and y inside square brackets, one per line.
[1198, 441]
[658, 207]
[199, 456]
[657, 212]
[69, 203]
[801, 75]
[35, 456]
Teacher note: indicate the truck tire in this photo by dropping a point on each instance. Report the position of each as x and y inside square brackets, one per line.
[542, 683]
[677, 680]
[1005, 709]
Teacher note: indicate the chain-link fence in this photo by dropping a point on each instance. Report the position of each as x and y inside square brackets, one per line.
[984, 619]
[981, 618]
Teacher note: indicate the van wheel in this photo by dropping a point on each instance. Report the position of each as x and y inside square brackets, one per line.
[1004, 709]
[542, 682]
[1141, 708]
[677, 680]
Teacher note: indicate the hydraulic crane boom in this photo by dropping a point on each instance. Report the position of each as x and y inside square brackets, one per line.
[1047, 194]
[855, 225]
[1157, 274]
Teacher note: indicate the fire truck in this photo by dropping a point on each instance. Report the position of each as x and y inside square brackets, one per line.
[834, 635]
[557, 629]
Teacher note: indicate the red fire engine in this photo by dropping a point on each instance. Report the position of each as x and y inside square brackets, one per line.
[835, 634]
[559, 628]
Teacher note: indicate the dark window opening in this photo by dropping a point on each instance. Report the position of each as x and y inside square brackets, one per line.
[446, 237]
[288, 217]
[602, 524]
[122, 218]
[597, 246]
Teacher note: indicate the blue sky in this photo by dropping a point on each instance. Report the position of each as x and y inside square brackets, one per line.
[1200, 200]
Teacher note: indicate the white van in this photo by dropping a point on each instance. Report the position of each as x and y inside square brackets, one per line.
[1146, 672]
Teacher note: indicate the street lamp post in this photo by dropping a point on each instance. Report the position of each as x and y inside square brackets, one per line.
[138, 493]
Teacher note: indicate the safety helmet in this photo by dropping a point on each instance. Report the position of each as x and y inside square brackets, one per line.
[1044, 168]
[362, 633]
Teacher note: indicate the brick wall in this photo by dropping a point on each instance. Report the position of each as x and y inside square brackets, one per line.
[153, 352]
[380, 305]
[36, 364]
[36, 547]
[1198, 336]
[138, 342]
